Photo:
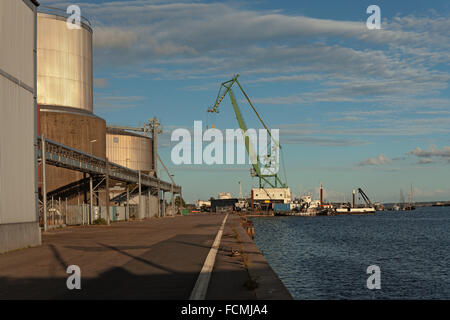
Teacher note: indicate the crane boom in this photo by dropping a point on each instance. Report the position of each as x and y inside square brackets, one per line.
[365, 197]
[226, 88]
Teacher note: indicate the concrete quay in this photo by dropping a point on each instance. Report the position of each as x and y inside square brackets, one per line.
[149, 259]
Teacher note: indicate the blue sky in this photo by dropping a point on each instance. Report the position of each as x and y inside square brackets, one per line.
[355, 107]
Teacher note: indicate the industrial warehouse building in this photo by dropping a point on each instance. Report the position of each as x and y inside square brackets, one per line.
[19, 222]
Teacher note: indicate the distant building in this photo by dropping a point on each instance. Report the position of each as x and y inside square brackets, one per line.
[221, 205]
[264, 197]
[224, 195]
[202, 204]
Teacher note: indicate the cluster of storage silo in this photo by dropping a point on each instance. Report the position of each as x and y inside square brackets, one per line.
[46, 89]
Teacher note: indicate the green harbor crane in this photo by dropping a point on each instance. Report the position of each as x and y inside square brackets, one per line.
[268, 176]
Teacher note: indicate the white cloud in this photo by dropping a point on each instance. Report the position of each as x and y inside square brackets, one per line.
[286, 78]
[399, 66]
[321, 141]
[380, 160]
[425, 161]
[433, 152]
[154, 28]
[114, 38]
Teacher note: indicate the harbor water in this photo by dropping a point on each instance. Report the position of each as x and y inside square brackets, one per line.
[326, 257]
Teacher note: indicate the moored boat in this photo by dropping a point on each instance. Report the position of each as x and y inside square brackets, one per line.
[357, 209]
[362, 210]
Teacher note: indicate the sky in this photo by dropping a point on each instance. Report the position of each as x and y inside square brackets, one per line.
[355, 107]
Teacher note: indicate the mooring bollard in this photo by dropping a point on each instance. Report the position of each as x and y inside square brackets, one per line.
[248, 226]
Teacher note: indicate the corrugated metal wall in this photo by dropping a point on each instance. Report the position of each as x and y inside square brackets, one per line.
[18, 202]
[16, 36]
[17, 127]
[17, 173]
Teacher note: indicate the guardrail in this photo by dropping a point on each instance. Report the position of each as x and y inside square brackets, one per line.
[61, 13]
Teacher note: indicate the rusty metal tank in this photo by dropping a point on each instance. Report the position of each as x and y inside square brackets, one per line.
[64, 61]
[130, 150]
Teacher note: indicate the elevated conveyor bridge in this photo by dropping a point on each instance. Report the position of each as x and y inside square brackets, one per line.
[100, 171]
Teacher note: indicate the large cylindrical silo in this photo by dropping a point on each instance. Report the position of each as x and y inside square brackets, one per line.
[80, 130]
[130, 150]
[64, 63]
[65, 89]
[19, 224]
